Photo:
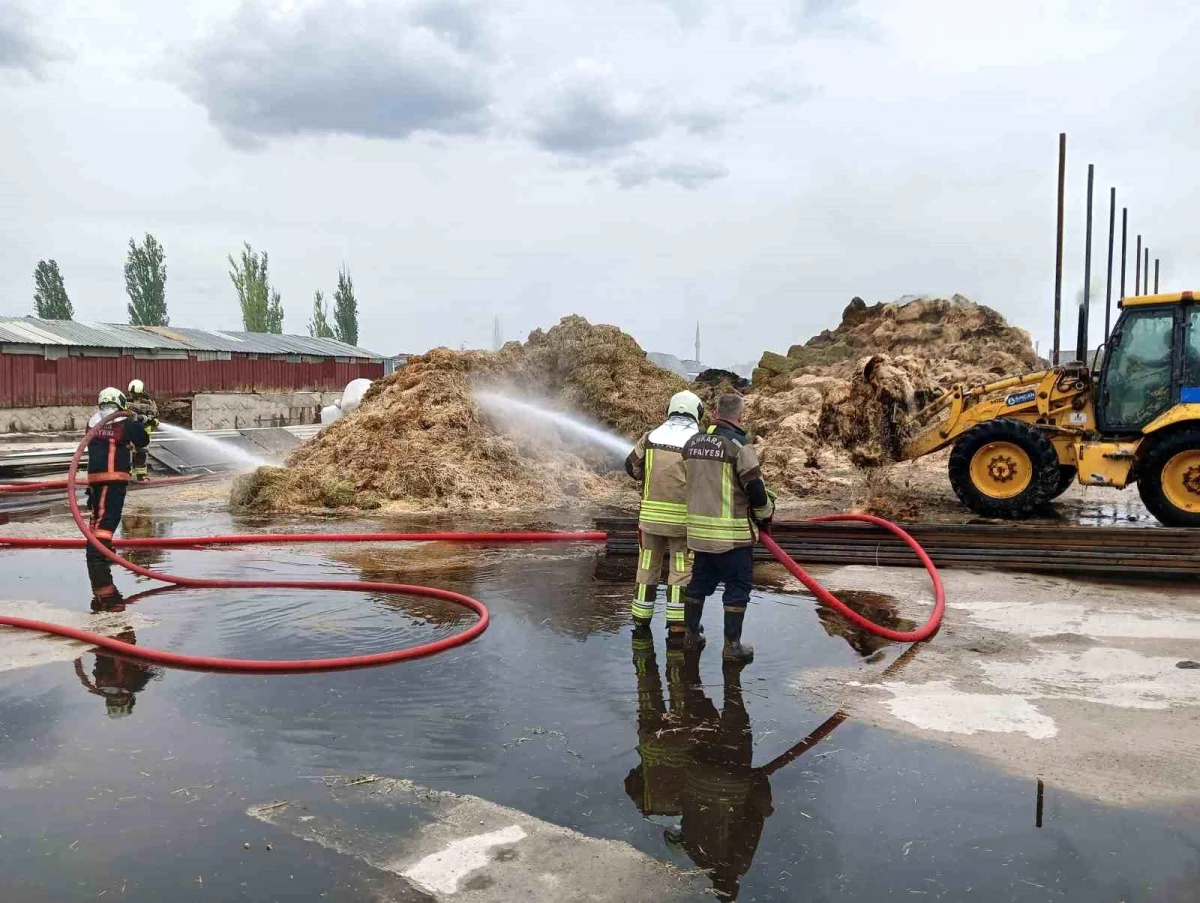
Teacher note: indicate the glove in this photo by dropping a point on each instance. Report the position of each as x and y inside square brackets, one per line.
[151, 424]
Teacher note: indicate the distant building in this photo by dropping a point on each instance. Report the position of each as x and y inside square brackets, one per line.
[688, 369]
[62, 362]
[394, 363]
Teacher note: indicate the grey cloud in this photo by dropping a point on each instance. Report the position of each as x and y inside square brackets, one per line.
[585, 116]
[777, 90]
[458, 22]
[371, 69]
[635, 173]
[689, 13]
[21, 47]
[828, 15]
[702, 120]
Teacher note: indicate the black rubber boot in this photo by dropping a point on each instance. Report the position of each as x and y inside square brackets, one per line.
[735, 652]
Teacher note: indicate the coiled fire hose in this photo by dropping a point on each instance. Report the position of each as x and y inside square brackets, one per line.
[271, 666]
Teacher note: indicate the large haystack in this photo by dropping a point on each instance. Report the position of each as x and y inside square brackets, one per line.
[951, 330]
[829, 402]
[418, 441]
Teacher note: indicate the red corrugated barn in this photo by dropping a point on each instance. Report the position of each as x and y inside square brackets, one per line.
[61, 362]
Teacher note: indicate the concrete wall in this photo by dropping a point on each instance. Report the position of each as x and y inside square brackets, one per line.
[58, 419]
[222, 412]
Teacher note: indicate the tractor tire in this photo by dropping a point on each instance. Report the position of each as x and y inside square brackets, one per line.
[1169, 478]
[1066, 477]
[1004, 468]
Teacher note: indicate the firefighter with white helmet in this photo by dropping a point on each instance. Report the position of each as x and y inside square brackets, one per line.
[657, 463]
[110, 453]
[141, 405]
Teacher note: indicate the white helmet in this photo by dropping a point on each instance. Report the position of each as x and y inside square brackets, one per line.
[688, 403]
[136, 387]
[113, 397]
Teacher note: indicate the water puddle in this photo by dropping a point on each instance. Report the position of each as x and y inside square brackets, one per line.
[122, 781]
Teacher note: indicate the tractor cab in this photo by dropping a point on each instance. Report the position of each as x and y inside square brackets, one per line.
[1151, 365]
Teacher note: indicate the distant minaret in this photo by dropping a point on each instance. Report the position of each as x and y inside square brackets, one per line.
[497, 337]
[697, 340]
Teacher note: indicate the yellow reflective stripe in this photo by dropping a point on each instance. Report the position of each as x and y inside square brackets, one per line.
[652, 518]
[726, 490]
[712, 429]
[641, 592]
[718, 533]
[644, 564]
[716, 521]
[665, 506]
[646, 477]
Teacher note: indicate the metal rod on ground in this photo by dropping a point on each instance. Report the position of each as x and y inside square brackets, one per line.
[1156, 262]
[1058, 256]
[1124, 246]
[1112, 222]
[1137, 267]
[1081, 340]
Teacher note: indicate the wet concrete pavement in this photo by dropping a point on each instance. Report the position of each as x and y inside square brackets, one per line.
[123, 782]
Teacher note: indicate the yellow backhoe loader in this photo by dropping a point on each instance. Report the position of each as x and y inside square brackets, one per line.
[1020, 442]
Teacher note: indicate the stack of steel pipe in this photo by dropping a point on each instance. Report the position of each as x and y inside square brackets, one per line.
[1044, 548]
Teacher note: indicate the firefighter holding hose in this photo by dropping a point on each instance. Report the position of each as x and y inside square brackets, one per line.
[727, 502]
[657, 463]
[110, 454]
[141, 405]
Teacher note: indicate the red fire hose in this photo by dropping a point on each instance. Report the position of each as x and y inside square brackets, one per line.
[259, 666]
[823, 595]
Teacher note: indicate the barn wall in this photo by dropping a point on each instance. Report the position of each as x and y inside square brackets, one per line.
[32, 380]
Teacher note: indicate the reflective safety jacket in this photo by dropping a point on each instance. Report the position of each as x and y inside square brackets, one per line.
[143, 405]
[111, 449]
[657, 461]
[725, 490]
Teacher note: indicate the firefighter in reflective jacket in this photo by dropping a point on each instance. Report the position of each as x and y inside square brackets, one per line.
[657, 462]
[726, 502]
[110, 454]
[141, 405]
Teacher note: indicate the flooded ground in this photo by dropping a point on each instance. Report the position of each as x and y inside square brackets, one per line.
[122, 782]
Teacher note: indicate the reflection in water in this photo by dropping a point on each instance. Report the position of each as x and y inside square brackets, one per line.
[696, 762]
[876, 607]
[138, 523]
[116, 680]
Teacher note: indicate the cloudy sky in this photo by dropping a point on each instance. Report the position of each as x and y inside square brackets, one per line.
[649, 163]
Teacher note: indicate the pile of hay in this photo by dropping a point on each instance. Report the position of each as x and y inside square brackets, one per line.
[957, 329]
[828, 402]
[418, 441]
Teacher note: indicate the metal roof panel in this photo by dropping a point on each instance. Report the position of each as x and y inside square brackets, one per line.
[34, 331]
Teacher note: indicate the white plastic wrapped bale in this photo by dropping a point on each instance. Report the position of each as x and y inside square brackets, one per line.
[352, 396]
[350, 400]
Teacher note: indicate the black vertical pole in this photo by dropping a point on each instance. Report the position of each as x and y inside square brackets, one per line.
[1124, 245]
[1146, 271]
[1058, 255]
[1112, 224]
[1156, 262]
[1081, 341]
[1137, 267]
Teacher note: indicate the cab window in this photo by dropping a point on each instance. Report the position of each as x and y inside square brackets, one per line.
[1191, 357]
[1137, 385]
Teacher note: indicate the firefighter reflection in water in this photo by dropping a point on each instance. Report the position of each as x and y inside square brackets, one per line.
[696, 764]
[116, 680]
